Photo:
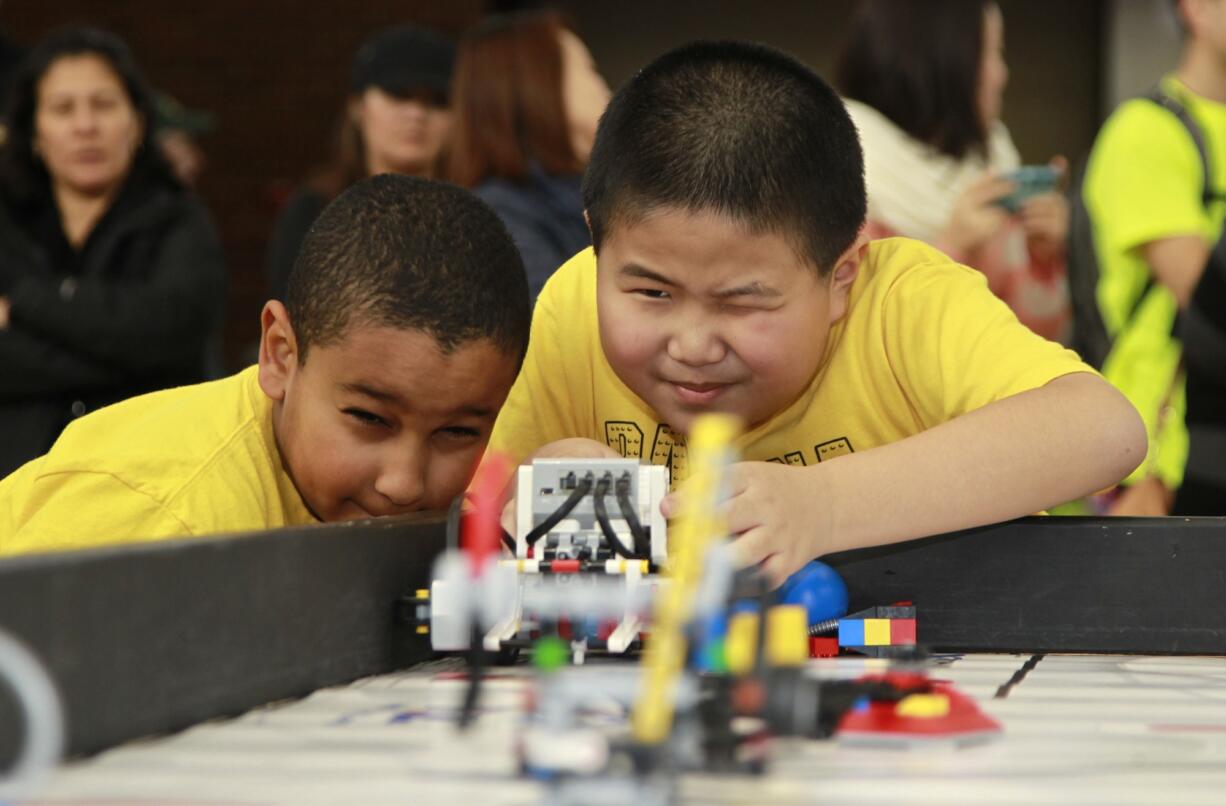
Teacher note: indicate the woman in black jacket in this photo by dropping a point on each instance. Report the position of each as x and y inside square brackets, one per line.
[111, 275]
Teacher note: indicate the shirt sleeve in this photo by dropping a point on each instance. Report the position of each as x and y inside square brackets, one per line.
[955, 347]
[1144, 178]
[61, 511]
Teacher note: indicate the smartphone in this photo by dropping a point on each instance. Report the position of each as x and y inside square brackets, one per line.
[1030, 180]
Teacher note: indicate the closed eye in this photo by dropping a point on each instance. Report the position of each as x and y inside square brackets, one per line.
[742, 307]
[459, 432]
[366, 418]
[651, 293]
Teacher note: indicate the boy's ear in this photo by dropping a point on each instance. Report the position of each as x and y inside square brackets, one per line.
[278, 350]
[846, 269]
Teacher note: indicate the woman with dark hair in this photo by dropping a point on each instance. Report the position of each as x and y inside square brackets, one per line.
[924, 84]
[111, 275]
[396, 120]
[527, 100]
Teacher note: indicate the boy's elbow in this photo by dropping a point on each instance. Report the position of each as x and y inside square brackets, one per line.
[1135, 439]
[1121, 432]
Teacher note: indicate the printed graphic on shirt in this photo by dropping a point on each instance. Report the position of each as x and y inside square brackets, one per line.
[833, 448]
[624, 437]
[668, 448]
[822, 452]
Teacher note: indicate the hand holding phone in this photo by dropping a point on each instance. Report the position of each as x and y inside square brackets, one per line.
[1028, 181]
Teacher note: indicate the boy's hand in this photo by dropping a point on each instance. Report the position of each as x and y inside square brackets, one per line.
[574, 448]
[975, 217]
[1148, 498]
[777, 513]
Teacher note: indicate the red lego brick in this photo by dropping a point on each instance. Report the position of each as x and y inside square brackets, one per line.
[902, 631]
[823, 647]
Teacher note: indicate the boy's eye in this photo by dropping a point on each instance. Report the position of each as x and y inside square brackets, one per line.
[651, 293]
[365, 417]
[459, 432]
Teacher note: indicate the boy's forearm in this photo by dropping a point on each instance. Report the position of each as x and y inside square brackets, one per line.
[1015, 457]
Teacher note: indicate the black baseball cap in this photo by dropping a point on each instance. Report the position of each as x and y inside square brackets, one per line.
[404, 60]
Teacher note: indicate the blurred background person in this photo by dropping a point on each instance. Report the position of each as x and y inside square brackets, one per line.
[396, 121]
[527, 100]
[924, 84]
[1155, 198]
[111, 274]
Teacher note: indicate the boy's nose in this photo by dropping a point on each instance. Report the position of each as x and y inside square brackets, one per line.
[403, 482]
[695, 346]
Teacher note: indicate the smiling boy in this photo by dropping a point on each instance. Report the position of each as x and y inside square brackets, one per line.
[886, 393]
[377, 385]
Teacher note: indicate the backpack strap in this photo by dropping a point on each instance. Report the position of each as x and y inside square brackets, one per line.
[1090, 336]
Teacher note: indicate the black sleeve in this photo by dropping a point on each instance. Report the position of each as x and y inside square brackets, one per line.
[287, 235]
[161, 318]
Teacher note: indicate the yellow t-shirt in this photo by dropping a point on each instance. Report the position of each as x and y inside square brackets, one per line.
[923, 341]
[1144, 183]
[190, 461]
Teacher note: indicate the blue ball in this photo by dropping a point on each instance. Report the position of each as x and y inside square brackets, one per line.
[819, 588]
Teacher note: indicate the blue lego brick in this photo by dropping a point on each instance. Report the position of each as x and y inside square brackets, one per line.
[851, 632]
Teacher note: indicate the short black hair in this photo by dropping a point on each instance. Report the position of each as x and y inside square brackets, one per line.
[919, 64]
[737, 129]
[22, 173]
[412, 254]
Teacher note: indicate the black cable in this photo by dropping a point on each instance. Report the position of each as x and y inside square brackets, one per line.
[642, 540]
[453, 521]
[1018, 676]
[602, 517]
[581, 489]
[476, 667]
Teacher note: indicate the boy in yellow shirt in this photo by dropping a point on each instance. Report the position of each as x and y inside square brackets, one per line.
[886, 393]
[378, 382]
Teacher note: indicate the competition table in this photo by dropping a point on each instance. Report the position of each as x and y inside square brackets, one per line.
[1077, 729]
[1092, 641]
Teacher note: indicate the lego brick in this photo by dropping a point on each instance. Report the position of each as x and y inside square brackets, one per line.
[823, 647]
[876, 632]
[902, 631]
[740, 644]
[851, 632]
[786, 631]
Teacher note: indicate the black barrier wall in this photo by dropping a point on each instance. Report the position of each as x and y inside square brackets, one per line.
[153, 638]
[1132, 585]
[150, 639]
